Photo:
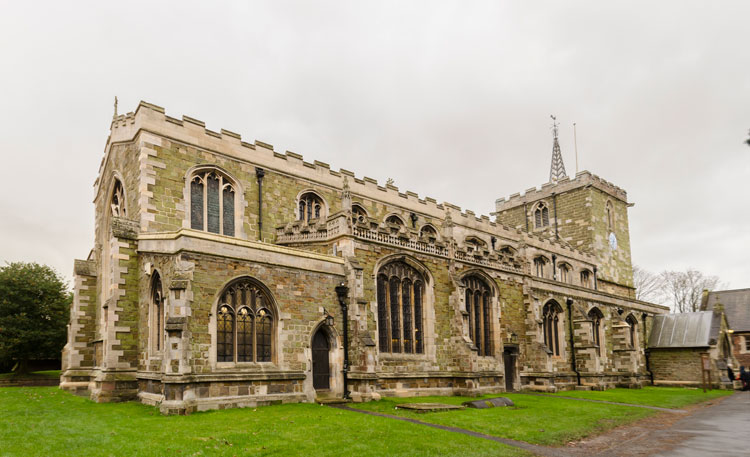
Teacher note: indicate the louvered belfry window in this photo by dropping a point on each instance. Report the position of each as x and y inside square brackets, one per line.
[478, 304]
[541, 216]
[212, 203]
[400, 294]
[244, 324]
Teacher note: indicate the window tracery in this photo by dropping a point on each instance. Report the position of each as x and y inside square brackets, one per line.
[550, 325]
[359, 215]
[212, 203]
[428, 233]
[541, 215]
[596, 316]
[117, 203]
[244, 324]
[310, 207]
[478, 306]
[400, 296]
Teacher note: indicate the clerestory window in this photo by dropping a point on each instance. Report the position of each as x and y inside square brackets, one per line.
[212, 203]
[586, 278]
[540, 264]
[310, 207]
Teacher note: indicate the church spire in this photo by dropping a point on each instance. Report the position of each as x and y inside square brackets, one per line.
[557, 168]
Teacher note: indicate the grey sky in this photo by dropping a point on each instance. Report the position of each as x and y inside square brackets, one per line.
[450, 99]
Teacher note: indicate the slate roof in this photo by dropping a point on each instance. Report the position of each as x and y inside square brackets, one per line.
[685, 330]
[736, 307]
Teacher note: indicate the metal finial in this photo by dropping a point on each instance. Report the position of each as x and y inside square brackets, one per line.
[557, 168]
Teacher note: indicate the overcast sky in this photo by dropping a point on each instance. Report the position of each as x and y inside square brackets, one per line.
[450, 99]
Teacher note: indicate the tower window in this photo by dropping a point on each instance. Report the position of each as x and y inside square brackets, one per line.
[118, 200]
[541, 215]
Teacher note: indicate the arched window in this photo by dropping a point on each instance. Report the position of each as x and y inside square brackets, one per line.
[359, 215]
[212, 202]
[428, 233]
[478, 305]
[244, 324]
[564, 273]
[507, 251]
[310, 207]
[610, 216]
[596, 316]
[550, 326]
[540, 266]
[632, 331]
[541, 215]
[117, 203]
[400, 309]
[585, 278]
[474, 243]
[157, 314]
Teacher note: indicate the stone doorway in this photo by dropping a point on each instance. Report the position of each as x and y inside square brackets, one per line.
[509, 361]
[321, 366]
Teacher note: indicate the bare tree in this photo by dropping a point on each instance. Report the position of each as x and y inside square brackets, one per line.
[684, 289]
[648, 286]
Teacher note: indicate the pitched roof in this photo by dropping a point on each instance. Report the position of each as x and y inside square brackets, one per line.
[736, 306]
[684, 330]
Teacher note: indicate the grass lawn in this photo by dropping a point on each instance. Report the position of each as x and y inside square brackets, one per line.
[45, 421]
[665, 397]
[33, 375]
[534, 419]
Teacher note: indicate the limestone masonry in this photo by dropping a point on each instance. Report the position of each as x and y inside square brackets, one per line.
[222, 271]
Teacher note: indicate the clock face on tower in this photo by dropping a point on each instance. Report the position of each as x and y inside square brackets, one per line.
[612, 241]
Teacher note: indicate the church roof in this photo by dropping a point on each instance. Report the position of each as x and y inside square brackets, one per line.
[685, 330]
[736, 306]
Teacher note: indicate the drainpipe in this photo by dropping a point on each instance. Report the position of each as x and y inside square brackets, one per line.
[569, 302]
[342, 292]
[554, 208]
[596, 282]
[554, 267]
[647, 351]
[259, 174]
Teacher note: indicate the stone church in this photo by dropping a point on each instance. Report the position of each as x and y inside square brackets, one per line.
[226, 274]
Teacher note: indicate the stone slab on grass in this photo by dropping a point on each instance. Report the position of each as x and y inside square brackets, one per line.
[428, 407]
[489, 403]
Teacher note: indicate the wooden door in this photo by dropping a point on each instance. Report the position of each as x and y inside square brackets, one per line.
[321, 367]
[510, 369]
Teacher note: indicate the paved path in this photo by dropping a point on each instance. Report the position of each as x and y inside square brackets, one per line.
[720, 430]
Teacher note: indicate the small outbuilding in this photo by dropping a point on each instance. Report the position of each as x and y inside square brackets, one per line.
[736, 306]
[679, 342]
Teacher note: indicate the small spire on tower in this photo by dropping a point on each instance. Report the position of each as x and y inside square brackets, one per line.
[557, 168]
[115, 115]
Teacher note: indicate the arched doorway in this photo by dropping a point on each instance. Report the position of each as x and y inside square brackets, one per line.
[321, 368]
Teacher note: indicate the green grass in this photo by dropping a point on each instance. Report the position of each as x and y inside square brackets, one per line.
[534, 419]
[33, 375]
[45, 421]
[664, 397]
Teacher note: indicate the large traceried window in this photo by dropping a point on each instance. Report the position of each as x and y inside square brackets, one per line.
[244, 324]
[400, 297]
[478, 306]
[212, 203]
[541, 215]
[310, 207]
[117, 202]
[157, 314]
[550, 326]
[596, 316]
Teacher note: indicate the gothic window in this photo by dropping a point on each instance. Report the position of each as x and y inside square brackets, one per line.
[596, 316]
[212, 203]
[400, 294]
[118, 200]
[632, 331]
[478, 305]
[564, 273]
[359, 215]
[244, 324]
[541, 215]
[610, 217]
[540, 264]
[586, 278]
[310, 207]
[475, 244]
[550, 327]
[507, 251]
[157, 314]
[428, 233]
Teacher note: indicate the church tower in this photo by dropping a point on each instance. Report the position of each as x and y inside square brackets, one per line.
[587, 213]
